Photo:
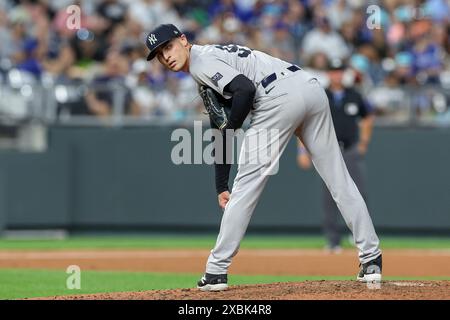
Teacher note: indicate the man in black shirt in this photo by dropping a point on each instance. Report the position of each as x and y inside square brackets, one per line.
[353, 122]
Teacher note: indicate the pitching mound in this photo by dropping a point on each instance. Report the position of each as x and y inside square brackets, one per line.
[310, 290]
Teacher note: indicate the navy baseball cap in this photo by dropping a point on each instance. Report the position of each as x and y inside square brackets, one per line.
[161, 35]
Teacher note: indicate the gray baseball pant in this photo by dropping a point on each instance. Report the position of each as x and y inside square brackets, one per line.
[296, 105]
[356, 167]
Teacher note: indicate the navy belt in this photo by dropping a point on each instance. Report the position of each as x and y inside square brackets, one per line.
[272, 77]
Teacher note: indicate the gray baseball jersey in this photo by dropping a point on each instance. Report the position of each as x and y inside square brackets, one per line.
[216, 65]
[294, 103]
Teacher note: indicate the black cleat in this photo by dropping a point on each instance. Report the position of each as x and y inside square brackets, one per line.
[213, 282]
[370, 271]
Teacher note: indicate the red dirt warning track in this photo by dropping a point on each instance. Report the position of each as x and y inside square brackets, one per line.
[398, 263]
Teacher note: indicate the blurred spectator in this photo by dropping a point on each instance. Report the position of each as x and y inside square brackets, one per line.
[410, 47]
[403, 62]
[281, 42]
[88, 52]
[295, 18]
[318, 67]
[388, 99]
[13, 33]
[113, 11]
[359, 23]
[150, 13]
[379, 43]
[438, 10]
[358, 74]
[240, 9]
[142, 93]
[232, 30]
[338, 13]
[181, 100]
[348, 33]
[374, 69]
[324, 39]
[219, 7]
[427, 61]
[108, 90]
[213, 32]
[29, 61]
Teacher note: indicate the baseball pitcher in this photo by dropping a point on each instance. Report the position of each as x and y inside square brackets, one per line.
[278, 96]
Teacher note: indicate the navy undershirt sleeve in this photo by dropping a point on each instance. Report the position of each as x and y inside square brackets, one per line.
[243, 92]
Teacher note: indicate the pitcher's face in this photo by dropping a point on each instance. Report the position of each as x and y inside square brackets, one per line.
[175, 54]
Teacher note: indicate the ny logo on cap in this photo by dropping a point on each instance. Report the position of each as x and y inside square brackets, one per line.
[152, 39]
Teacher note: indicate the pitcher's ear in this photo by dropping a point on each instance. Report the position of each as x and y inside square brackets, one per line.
[184, 39]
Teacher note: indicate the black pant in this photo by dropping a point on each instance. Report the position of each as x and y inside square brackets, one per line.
[331, 223]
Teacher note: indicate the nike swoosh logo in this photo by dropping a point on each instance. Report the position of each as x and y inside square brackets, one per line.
[267, 91]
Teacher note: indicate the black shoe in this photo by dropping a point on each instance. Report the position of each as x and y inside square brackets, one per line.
[213, 282]
[370, 271]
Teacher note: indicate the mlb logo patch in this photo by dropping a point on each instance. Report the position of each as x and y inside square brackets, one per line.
[215, 78]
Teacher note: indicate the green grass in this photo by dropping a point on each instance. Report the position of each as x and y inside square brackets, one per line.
[23, 283]
[206, 242]
[28, 283]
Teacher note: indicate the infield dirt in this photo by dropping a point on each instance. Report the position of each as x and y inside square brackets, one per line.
[396, 263]
[308, 290]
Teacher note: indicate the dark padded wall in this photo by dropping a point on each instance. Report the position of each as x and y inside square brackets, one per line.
[124, 178]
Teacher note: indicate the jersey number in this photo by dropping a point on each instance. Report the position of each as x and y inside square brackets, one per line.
[243, 52]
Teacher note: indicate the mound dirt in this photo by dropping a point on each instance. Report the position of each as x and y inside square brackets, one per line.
[308, 290]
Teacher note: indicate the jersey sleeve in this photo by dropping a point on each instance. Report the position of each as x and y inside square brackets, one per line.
[214, 73]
